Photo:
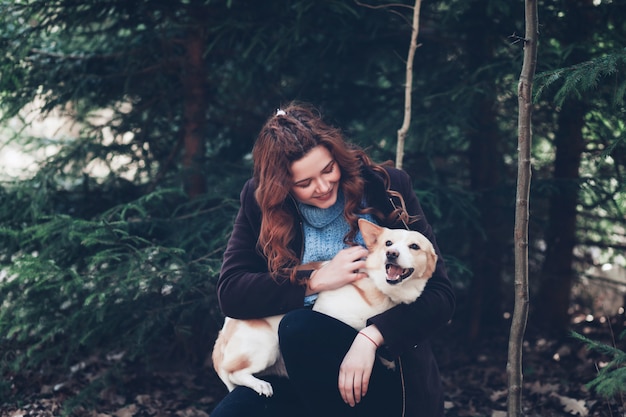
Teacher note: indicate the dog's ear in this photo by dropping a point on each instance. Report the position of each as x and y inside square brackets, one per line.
[370, 232]
[430, 264]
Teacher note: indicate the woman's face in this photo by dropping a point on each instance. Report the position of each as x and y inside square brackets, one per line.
[316, 178]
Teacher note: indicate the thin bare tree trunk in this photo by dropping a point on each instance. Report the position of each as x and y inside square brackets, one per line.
[402, 132]
[520, 312]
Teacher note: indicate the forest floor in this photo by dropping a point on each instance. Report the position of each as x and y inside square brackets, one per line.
[475, 381]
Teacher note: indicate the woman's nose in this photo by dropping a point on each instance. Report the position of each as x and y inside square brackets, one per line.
[323, 186]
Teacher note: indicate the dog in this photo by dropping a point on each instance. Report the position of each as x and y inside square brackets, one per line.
[399, 264]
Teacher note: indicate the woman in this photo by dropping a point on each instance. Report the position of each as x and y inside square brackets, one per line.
[303, 203]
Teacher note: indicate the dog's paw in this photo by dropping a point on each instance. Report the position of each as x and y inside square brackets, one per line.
[388, 364]
[263, 388]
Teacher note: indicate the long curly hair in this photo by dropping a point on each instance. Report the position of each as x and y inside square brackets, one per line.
[286, 137]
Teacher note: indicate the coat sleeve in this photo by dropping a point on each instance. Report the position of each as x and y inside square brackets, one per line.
[407, 325]
[245, 289]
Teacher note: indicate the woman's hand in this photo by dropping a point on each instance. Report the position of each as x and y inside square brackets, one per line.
[341, 270]
[356, 369]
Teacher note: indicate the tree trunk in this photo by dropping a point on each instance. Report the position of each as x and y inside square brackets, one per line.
[193, 73]
[486, 167]
[524, 141]
[558, 274]
[408, 88]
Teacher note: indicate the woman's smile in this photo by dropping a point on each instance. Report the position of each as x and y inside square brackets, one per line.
[326, 196]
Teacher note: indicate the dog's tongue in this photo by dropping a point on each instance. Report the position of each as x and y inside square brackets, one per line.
[393, 272]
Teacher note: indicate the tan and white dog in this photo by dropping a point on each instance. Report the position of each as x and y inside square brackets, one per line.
[399, 264]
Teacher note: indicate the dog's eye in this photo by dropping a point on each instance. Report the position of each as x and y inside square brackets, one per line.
[414, 246]
[388, 243]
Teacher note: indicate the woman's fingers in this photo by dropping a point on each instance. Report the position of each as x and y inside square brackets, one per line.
[353, 387]
[344, 268]
[355, 371]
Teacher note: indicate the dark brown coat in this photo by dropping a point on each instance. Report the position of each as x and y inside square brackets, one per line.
[246, 290]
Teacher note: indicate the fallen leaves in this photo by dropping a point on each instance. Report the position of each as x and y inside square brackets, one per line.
[555, 375]
[475, 384]
[572, 406]
[156, 394]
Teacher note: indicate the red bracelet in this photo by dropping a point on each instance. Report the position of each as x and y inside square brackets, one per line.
[371, 340]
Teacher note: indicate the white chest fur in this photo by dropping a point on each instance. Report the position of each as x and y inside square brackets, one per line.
[353, 304]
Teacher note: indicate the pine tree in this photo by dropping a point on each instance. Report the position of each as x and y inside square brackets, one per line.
[610, 383]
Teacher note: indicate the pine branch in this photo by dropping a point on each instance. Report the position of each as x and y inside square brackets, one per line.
[585, 76]
[611, 379]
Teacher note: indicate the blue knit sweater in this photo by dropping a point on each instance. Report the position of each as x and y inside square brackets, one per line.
[324, 230]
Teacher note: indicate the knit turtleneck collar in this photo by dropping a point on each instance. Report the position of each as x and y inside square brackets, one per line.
[318, 217]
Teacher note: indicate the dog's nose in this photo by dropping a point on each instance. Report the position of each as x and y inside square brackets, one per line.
[392, 254]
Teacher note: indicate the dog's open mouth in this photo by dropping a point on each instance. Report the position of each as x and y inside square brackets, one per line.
[396, 274]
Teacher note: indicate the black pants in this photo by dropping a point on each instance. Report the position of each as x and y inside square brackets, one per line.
[313, 346]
